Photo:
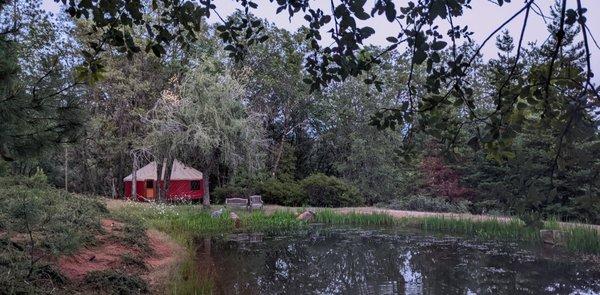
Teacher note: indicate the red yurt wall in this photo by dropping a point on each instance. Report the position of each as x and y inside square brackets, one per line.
[178, 189]
[182, 189]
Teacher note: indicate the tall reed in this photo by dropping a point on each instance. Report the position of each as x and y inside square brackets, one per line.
[328, 216]
[487, 229]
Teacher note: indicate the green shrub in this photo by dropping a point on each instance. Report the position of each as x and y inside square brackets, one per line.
[532, 219]
[39, 176]
[113, 282]
[219, 195]
[330, 191]
[429, 204]
[585, 209]
[490, 207]
[241, 185]
[29, 182]
[60, 223]
[288, 193]
[4, 168]
[134, 260]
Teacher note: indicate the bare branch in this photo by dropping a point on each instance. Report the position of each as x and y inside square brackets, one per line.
[514, 67]
[581, 21]
[559, 39]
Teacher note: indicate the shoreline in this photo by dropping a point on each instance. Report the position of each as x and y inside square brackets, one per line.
[115, 204]
[184, 223]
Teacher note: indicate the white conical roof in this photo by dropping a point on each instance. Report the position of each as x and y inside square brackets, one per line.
[179, 172]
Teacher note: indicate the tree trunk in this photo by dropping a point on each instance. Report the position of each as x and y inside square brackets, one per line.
[66, 169]
[134, 178]
[206, 197]
[167, 179]
[158, 185]
[278, 157]
[113, 189]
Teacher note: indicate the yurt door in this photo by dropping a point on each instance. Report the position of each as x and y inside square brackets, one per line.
[150, 191]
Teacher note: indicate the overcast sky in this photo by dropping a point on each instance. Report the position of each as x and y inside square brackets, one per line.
[483, 19]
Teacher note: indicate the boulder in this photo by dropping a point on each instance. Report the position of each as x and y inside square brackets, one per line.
[217, 213]
[552, 237]
[307, 216]
[236, 219]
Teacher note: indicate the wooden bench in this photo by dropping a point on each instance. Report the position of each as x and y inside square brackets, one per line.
[255, 202]
[236, 203]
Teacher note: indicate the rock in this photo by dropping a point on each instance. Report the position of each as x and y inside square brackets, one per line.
[307, 216]
[217, 213]
[236, 219]
[552, 237]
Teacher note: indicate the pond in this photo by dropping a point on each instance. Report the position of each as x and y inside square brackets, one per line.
[388, 261]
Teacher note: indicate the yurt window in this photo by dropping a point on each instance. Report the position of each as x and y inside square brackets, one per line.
[195, 185]
[149, 183]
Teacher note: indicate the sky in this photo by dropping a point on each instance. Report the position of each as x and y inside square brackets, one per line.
[482, 19]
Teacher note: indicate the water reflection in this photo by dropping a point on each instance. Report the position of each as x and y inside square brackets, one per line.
[343, 261]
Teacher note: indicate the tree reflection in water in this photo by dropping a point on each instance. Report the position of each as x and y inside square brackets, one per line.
[361, 261]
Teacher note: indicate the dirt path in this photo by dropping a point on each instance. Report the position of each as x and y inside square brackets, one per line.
[155, 267]
[167, 255]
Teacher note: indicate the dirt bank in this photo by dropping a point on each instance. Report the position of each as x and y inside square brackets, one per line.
[111, 252]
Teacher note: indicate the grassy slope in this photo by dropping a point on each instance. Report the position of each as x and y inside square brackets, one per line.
[39, 224]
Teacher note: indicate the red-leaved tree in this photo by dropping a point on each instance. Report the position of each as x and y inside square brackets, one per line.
[441, 179]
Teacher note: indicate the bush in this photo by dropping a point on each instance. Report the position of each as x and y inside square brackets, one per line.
[330, 191]
[132, 260]
[429, 204]
[28, 182]
[39, 176]
[113, 282]
[4, 168]
[60, 223]
[219, 195]
[487, 207]
[288, 193]
[532, 219]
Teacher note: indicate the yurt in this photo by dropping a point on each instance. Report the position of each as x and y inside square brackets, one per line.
[185, 183]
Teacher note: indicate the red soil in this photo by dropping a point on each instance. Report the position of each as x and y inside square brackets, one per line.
[108, 252]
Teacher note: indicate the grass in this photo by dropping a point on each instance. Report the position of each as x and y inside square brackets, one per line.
[37, 224]
[583, 240]
[134, 261]
[485, 229]
[188, 281]
[378, 219]
[278, 222]
[185, 222]
[113, 282]
[579, 239]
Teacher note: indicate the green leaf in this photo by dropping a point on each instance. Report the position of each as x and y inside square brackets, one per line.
[419, 57]
[438, 45]
[366, 32]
